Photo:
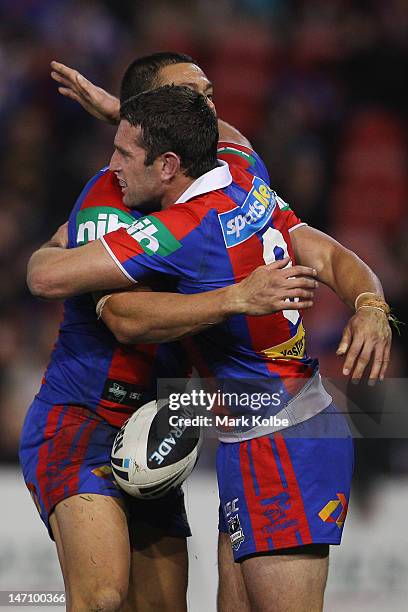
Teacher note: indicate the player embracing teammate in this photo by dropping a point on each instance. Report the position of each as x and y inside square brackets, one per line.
[273, 489]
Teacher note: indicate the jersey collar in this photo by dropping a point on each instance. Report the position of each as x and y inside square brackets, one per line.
[218, 178]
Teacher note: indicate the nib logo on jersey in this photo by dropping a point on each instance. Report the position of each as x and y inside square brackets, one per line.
[244, 221]
[93, 223]
[153, 236]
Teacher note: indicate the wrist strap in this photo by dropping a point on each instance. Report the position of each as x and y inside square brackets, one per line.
[101, 303]
[373, 307]
[365, 293]
[373, 300]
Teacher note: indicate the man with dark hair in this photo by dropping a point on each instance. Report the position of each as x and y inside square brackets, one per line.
[145, 73]
[189, 116]
[93, 384]
[213, 232]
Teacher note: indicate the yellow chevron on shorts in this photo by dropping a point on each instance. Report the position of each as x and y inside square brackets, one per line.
[326, 513]
[328, 510]
[104, 471]
[291, 349]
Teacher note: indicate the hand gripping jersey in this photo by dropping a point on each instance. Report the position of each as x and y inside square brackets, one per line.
[88, 367]
[227, 223]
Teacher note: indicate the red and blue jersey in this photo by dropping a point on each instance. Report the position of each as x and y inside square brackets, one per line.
[88, 367]
[227, 223]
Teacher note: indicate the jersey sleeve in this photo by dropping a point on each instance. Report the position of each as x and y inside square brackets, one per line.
[245, 158]
[291, 219]
[168, 242]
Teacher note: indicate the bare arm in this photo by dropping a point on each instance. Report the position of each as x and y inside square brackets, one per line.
[57, 273]
[136, 317]
[227, 133]
[338, 267]
[367, 334]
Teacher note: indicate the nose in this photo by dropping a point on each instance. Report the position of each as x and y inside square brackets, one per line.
[114, 165]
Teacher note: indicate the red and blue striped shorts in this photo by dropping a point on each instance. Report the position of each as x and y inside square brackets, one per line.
[286, 489]
[65, 450]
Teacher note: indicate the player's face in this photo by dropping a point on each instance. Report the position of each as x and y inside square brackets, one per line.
[140, 184]
[188, 75]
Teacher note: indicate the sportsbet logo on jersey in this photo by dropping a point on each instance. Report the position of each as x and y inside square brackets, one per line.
[93, 223]
[243, 221]
[153, 236]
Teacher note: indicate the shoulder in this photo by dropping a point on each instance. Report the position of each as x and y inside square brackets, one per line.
[243, 157]
[102, 190]
[98, 210]
[182, 219]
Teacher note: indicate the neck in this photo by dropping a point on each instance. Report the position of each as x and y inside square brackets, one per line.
[174, 190]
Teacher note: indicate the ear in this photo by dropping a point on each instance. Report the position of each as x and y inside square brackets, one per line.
[170, 165]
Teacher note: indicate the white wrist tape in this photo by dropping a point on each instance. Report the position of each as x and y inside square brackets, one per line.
[101, 303]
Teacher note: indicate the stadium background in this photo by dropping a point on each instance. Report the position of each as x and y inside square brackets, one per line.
[320, 89]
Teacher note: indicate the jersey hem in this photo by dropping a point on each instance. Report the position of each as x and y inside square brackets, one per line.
[296, 226]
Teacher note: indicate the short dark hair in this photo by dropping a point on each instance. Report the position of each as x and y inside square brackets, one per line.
[142, 73]
[177, 119]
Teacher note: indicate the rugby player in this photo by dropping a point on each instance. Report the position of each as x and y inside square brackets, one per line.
[198, 240]
[93, 384]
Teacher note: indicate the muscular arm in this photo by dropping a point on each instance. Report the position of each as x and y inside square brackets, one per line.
[56, 273]
[136, 317]
[337, 267]
[151, 317]
[367, 335]
[227, 133]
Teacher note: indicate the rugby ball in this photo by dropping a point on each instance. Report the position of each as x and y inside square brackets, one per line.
[150, 457]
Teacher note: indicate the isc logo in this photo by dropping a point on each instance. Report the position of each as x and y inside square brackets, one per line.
[231, 506]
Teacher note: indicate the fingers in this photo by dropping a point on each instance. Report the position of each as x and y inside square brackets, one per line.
[301, 271]
[277, 265]
[300, 305]
[386, 360]
[377, 364]
[60, 79]
[344, 342]
[84, 85]
[301, 282]
[380, 354]
[299, 293]
[292, 271]
[362, 361]
[70, 78]
[352, 354]
[64, 71]
[69, 94]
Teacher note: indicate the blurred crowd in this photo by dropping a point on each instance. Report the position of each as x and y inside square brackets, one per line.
[318, 87]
